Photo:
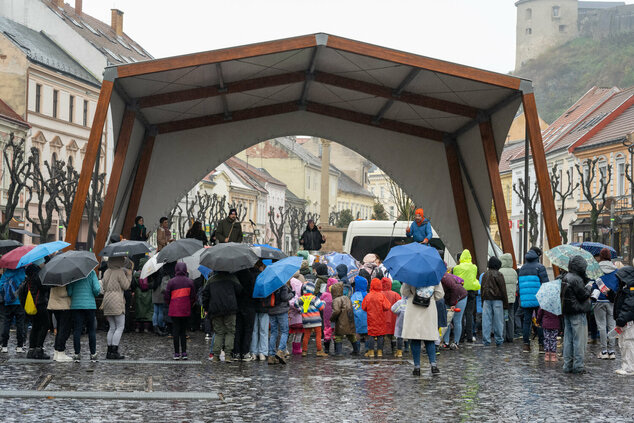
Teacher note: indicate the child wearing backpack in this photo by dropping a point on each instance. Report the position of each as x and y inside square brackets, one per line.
[9, 284]
[376, 304]
[310, 306]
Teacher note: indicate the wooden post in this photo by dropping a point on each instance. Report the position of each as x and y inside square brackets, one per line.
[460, 200]
[139, 182]
[115, 178]
[92, 149]
[493, 168]
[541, 170]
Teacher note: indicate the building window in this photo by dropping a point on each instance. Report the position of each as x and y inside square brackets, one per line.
[70, 161]
[71, 108]
[529, 31]
[55, 101]
[562, 28]
[308, 180]
[556, 12]
[38, 97]
[85, 113]
[620, 181]
[529, 13]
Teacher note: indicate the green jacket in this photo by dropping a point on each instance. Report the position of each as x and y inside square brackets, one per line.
[468, 272]
[510, 276]
[224, 230]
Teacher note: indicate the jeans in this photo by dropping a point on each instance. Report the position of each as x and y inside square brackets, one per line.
[575, 340]
[63, 318]
[492, 319]
[430, 347]
[605, 323]
[469, 313]
[158, 319]
[509, 324]
[224, 333]
[244, 330]
[518, 318]
[179, 333]
[116, 325]
[260, 334]
[40, 328]
[9, 312]
[379, 342]
[79, 318]
[457, 323]
[279, 325]
[528, 324]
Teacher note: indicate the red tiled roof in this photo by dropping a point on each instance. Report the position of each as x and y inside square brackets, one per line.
[7, 112]
[615, 130]
[253, 172]
[509, 152]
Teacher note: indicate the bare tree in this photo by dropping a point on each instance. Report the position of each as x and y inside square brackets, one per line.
[533, 217]
[47, 187]
[277, 222]
[404, 204]
[597, 198]
[556, 183]
[333, 219]
[67, 191]
[18, 168]
[241, 210]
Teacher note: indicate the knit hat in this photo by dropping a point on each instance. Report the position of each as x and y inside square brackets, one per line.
[304, 268]
[494, 263]
[233, 211]
[321, 269]
[308, 288]
[605, 255]
[420, 211]
[342, 271]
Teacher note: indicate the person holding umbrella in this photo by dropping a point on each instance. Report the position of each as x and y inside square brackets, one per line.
[59, 306]
[575, 303]
[9, 284]
[116, 280]
[221, 303]
[39, 320]
[82, 295]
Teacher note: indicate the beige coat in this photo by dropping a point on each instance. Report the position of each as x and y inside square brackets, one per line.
[163, 237]
[59, 299]
[115, 280]
[420, 322]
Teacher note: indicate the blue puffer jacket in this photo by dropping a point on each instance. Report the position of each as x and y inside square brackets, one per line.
[82, 293]
[360, 316]
[609, 279]
[531, 276]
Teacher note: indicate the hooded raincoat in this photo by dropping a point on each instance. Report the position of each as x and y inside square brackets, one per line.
[510, 276]
[392, 297]
[575, 297]
[360, 316]
[467, 271]
[294, 316]
[375, 304]
[342, 313]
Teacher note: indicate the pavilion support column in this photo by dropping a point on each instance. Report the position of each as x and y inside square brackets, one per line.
[324, 205]
[493, 168]
[139, 183]
[88, 165]
[115, 178]
[460, 200]
[541, 170]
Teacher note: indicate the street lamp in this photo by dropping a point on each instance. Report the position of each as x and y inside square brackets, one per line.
[629, 143]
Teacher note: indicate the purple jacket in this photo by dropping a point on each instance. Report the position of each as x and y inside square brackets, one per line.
[547, 320]
[180, 293]
[454, 291]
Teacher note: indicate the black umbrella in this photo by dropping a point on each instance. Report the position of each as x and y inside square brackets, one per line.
[178, 249]
[229, 257]
[267, 252]
[126, 248]
[68, 267]
[7, 245]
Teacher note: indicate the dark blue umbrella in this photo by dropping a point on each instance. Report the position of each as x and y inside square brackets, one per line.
[594, 248]
[205, 271]
[275, 275]
[41, 251]
[415, 264]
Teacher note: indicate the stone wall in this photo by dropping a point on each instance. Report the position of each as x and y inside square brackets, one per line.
[606, 22]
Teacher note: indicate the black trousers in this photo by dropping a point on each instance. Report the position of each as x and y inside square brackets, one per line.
[469, 314]
[39, 328]
[64, 325]
[244, 330]
[179, 332]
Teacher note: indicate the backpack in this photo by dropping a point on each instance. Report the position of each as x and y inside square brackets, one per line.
[272, 300]
[10, 291]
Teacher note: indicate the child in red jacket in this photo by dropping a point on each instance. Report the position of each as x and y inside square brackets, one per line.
[375, 304]
[390, 318]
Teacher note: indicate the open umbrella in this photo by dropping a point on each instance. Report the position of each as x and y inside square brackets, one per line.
[549, 297]
[265, 251]
[275, 275]
[151, 266]
[41, 251]
[10, 260]
[126, 248]
[561, 255]
[7, 245]
[178, 249]
[595, 248]
[193, 263]
[204, 271]
[335, 259]
[68, 267]
[228, 257]
[415, 264]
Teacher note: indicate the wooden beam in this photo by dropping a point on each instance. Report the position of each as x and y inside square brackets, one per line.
[493, 168]
[405, 97]
[115, 178]
[541, 170]
[215, 91]
[139, 182]
[88, 165]
[216, 56]
[422, 62]
[460, 200]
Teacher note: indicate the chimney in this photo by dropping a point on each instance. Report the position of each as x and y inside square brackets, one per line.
[78, 7]
[59, 3]
[117, 21]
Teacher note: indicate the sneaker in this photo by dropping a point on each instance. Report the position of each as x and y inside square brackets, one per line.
[61, 357]
[622, 372]
[228, 358]
[5, 349]
[207, 337]
[304, 354]
[416, 371]
[261, 357]
[473, 339]
[215, 359]
[248, 357]
[321, 354]
[281, 357]
[94, 358]
[453, 346]
[444, 346]
[611, 355]
[603, 355]
[184, 356]
[211, 356]
[19, 350]
[272, 360]
[434, 369]
[176, 356]
[235, 356]
[76, 358]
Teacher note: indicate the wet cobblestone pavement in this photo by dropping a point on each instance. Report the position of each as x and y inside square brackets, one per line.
[475, 384]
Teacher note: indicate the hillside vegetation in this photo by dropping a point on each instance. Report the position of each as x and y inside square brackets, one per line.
[563, 74]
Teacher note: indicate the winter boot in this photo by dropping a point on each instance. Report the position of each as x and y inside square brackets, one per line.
[369, 353]
[393, 345]
[356, 348]
[30, 353]
[297, 348]
[40, 355]
[157, 330]
[547, 356]
[379, 353]
[327, 346]
[398, 354]
[117, 356]
[147, 327]
[321, 354]
[137, 327]
[109, 353]
[338, 349]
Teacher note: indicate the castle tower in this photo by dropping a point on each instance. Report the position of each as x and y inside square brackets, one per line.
[543, 24]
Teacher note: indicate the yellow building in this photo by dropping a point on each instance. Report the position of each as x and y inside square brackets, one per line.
[352, 196]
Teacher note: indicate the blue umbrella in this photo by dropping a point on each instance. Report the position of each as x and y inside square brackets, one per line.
[41, 251]
[595, 248]
[205, 271]
[549, 297]
[415, 264]
[335, 259]
[275, 275]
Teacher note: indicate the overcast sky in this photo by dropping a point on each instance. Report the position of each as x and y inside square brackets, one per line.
[479, 33]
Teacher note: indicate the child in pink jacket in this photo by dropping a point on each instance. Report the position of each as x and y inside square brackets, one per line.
[295, 328]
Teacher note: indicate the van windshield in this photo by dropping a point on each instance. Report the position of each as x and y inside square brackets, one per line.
[380, 245]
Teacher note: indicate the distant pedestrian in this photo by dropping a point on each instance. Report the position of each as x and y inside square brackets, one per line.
[494, 302]
[245, 316]
[163, 234]
[39, 322]
[326, 297]
[260, 333]
[398, 309]
[575, 303]
[549, 323]
[143, 307]
[116, 280]
[229, 228]
[376, 304]
[138, 231]
[624, 318]
[82, 295]
[510, 279]
[59, 305]
[221, 304]
[197, 232]
[342, 276]
[321, 278]
[603, 309]
[312, 239]
[468, 272]
[310, 306]
[159, 282]
[180, 296]
[531, 276]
